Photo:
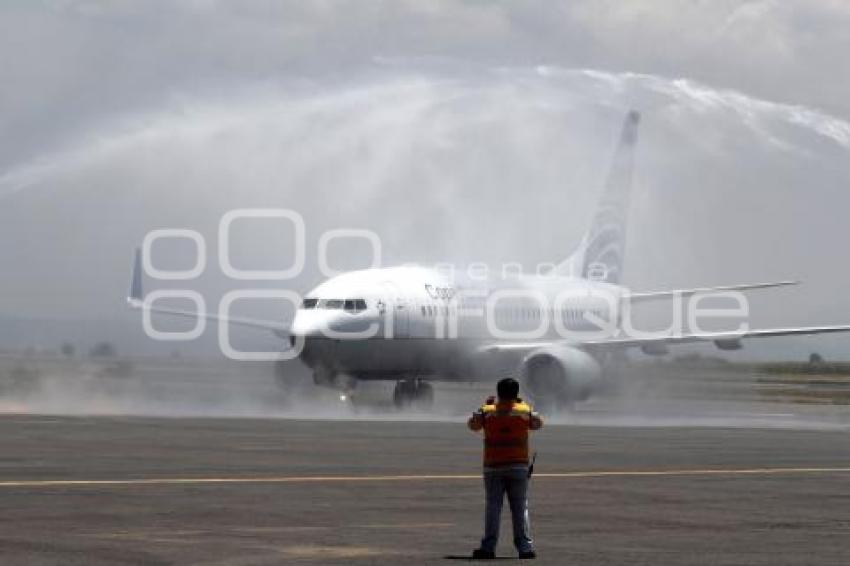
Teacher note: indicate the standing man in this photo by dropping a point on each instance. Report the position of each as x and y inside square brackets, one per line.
[506, 422]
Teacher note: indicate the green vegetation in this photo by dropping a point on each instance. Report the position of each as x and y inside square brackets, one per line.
[805, 368]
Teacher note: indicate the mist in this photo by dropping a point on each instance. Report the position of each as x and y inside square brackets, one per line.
[431, 160]
[459, 133]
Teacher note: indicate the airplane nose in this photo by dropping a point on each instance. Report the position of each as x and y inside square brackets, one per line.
[302, 325]
[317, 325]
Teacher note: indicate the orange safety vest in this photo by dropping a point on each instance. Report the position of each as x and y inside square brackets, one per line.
[506, 428]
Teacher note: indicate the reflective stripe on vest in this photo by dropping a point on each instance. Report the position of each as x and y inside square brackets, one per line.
[506, 433]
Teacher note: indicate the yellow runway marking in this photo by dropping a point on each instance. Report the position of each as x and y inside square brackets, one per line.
[415, 478]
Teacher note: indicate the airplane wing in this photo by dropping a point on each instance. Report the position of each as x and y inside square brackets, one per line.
[655, 344]
[136, 300]
[641, 297]
[724, 340]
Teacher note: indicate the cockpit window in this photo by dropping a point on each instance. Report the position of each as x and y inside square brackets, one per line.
[350, 305]
[355, 305]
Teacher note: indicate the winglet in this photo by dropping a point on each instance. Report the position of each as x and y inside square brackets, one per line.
[136, 295]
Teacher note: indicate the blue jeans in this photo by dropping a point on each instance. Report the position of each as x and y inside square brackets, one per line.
[514, 483]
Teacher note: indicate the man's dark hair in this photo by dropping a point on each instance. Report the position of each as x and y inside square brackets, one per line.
[508, 388]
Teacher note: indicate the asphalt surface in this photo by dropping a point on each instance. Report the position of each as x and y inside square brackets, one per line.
[277, 491]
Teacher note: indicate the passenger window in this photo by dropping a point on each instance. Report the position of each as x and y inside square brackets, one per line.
[309, 303]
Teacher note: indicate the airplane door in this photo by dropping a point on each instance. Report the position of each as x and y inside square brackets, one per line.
[402, 319]
[400, 312]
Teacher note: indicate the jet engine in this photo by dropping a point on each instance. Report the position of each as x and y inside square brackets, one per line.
[558, 376]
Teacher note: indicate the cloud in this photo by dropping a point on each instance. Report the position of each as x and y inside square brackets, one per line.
[67, 66]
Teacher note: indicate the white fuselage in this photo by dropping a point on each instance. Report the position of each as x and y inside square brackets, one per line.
[400, 322]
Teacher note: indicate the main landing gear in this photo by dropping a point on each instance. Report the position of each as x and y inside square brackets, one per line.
[413, 393]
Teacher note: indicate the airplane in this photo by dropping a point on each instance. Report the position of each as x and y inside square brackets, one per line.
[555, 332]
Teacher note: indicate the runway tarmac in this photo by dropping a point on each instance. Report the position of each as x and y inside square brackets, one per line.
[121, 490]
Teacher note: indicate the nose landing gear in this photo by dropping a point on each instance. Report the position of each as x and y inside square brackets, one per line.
[413, 393]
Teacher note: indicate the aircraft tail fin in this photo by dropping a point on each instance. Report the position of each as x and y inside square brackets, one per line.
[600, 254]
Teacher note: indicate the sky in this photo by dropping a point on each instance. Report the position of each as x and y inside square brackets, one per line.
[456, 131]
